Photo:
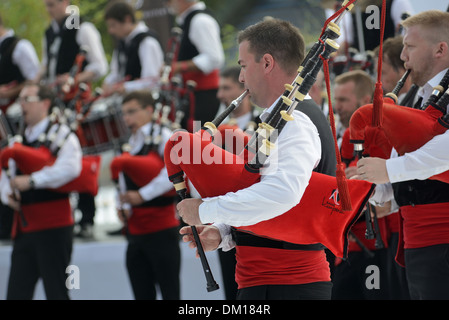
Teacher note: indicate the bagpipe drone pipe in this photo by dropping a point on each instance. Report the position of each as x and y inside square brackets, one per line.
[325, 212]
[31, 159]
[405, 129]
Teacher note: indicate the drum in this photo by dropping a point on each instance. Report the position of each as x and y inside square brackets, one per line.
[103, 129]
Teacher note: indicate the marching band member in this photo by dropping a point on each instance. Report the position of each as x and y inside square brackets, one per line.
[43, 247]
[138, 58]
[269, 55]
[153, 253]
[62, 43]
[18, 63]
[200, 57]
[423, 202]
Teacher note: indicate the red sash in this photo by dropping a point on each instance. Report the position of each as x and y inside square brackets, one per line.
[269, 266]
[425, 225]
[44, 215]
[203, 81]
[422, 225]
[152, 219]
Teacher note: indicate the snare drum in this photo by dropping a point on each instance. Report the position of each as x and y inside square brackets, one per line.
[104, 129]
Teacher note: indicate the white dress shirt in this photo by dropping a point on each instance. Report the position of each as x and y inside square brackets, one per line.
[87, 36]
[282, 184]
[204, 33]
[66, 167]
[24, 56]
[151, 59]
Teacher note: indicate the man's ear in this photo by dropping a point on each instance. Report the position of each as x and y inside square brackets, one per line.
[268, 62]
[442, 49]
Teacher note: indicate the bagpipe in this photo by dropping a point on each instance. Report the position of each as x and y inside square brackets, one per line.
[173, 94]
[403, 128]
[30, 159]
[329, 206]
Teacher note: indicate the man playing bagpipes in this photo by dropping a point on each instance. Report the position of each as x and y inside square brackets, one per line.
[147, 202]
[269, 55]
[43, 222]
[424, 202]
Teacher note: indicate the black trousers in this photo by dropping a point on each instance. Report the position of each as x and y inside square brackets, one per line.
[154, 259]
[6, 218]
[42, 254]
[307, 291]
[397, 282]
[427, 271]
[227, 264]
[350, 276]
[86, 204]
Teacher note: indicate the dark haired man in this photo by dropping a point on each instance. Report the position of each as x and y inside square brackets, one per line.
[153, 253]
[138, 58]
[42, 248]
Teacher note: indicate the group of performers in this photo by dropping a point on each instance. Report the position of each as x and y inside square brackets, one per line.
[267, 180]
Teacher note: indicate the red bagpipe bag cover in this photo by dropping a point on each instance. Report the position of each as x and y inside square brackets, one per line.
[406, 129]
[318, 218]
[141, 169]
[29, 160]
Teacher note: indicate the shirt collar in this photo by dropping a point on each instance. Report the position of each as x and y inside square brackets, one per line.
[426, 90]
[140, 27]
[33, 132]
[197, 6]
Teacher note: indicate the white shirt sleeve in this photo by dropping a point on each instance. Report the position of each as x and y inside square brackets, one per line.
[282, 182]
[431, 159]
[66, 167]
[90, 37]
[25, 57]
[205, 35]
[151, 59]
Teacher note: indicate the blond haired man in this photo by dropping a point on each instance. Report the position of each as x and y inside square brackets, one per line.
[424, 203]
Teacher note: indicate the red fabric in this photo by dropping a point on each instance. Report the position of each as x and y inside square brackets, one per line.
[425, 225]
[405, 128]
[231, 138]
[268, 266]
[141, 169]
[44, 215]
[319, 213]
[29, 160]
[152, 219]
[87, 181]
[203, 81]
